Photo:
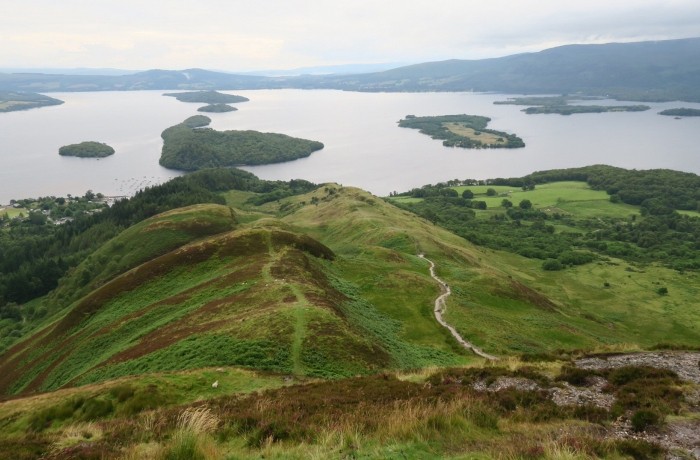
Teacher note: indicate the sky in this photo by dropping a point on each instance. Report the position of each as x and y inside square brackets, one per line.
[237, 35]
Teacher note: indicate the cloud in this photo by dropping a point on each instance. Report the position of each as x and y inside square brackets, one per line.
[243, 35]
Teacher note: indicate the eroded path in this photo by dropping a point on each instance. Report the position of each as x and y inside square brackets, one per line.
[439, 310]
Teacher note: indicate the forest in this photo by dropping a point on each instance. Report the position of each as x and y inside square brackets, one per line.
[681, 112]
[88, 149]
[660, 233]
[189, 146]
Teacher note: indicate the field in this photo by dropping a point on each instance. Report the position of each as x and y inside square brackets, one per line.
[484, 137]
[575, 198]
[6, 105]
[12, 212]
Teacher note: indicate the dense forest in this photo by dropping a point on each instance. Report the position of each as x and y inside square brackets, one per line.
[217, 108]
[466, 131]
[88, 149]
[681, 112]
[188, 147]
[35, 254]
[661, 234]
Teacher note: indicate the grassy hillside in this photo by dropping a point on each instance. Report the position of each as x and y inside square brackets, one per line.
[260, 296]
[313, 314]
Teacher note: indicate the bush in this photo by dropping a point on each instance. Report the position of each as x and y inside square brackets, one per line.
[576, 376]
[552, 265]
[646, 418]
[639, 449]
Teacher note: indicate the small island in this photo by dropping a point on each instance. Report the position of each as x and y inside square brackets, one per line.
[87, 149]
[11, 101]
[681, 112]
[190, 146]
[207, 97]
[560, 105]
[217, 108]
[465, 131]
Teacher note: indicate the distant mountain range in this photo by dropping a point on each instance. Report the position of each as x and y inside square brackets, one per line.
[641, 71]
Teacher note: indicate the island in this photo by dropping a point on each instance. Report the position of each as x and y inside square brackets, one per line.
[217, 108]
[191, 145]
[465, 131]
[88, 149]
[561, 106]
[11, 101]
[681, 112]
[207, 97]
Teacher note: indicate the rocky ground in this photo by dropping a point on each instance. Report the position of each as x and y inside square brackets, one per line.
[680, 436]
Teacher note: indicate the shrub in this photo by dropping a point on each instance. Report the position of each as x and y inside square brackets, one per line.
[552, 265]
[639, 449]
[645, 418]
[575, 376]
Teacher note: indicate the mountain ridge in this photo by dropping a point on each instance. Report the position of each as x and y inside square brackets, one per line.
[650, 71]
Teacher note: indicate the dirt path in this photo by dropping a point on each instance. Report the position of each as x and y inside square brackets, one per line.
[441, 306]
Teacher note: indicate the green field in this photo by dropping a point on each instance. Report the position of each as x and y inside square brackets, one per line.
[575, 198]
[13, 212]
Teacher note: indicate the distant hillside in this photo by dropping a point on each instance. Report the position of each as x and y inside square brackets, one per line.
[642, 71]
[645, 71]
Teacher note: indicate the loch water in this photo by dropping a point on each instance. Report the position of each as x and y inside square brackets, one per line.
[364, 147]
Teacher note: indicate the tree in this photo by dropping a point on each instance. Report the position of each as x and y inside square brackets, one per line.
[467, 194]
[506, 203]
[491, 192]
[525, 204]
[552, 265]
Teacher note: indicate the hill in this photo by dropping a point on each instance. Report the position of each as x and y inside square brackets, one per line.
[641, 71]
[291, 320]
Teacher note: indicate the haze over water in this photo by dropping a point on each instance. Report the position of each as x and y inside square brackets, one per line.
[363, 145]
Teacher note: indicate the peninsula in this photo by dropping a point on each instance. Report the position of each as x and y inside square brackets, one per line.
[11, 101]
[466, 131]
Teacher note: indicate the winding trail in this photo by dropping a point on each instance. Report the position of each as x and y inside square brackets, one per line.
[441, 306]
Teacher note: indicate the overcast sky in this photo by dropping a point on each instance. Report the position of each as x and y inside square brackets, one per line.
[239, 35]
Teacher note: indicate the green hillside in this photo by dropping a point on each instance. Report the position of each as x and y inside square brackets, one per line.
[289, 323]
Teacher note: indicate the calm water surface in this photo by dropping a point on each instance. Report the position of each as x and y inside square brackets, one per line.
[364, 146]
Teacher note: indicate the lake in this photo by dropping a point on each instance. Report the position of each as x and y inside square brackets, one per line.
[364, 147]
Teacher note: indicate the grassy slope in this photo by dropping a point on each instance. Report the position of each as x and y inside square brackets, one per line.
[258, 296]
[583, 312]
